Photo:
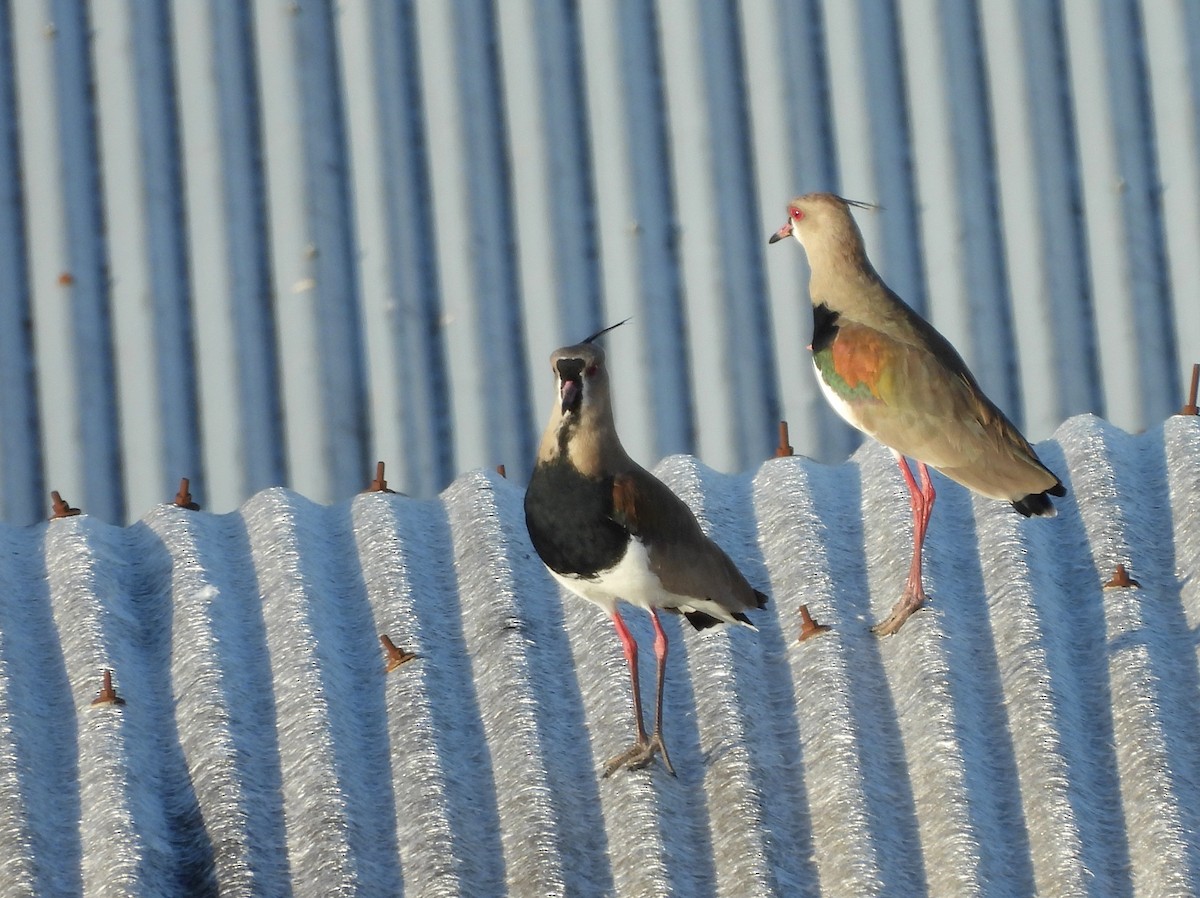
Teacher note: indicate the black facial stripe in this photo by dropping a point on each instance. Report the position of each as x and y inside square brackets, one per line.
[570, 369]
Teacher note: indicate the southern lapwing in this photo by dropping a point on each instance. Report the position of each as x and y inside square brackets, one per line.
[890, 374]
[608, 530]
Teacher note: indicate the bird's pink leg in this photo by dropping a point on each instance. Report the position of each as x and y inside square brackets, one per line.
[920, 500]
[644, 748]
[629, 644]
[928, 495]
[631, 658]
[660, 656]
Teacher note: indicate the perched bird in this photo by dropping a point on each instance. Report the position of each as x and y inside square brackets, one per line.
[890, 374]
[608, 529]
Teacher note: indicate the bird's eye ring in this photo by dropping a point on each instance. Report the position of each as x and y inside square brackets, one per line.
[797, 214]
[591, 370]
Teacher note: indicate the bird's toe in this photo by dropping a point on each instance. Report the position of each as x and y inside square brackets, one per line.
[911, 601]
[640, 755]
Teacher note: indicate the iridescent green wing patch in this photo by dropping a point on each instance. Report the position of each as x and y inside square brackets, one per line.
[856, 364]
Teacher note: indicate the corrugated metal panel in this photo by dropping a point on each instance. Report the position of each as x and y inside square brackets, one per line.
[1027, 733]
[270, 243]
[20, 437]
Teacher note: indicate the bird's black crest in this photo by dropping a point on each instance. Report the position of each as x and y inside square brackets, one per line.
[860, 204]
[601, 333]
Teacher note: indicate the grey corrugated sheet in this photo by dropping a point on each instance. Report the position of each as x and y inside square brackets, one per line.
[270, 243]
[1029, 732]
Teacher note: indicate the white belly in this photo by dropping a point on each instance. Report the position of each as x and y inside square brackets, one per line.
[629, 579]
[840, 405]
[632, 581]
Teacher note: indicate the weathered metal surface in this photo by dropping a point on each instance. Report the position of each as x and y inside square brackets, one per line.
[1029, 732]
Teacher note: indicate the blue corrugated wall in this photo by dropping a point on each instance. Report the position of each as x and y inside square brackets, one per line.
[270, 243]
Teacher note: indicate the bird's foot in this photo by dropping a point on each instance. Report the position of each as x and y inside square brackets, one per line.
[640, 755]
[910, 601]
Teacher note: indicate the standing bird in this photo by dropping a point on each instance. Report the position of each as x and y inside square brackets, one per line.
[890, 374]
[608, 529]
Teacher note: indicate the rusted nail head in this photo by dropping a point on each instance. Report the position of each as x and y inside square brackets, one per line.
[379, 484]
[107, 695]
[1190, 408]
[1121, 580]
[785, 448]
[60, 507]
[809, 627]
[395, 655]
[183, 498]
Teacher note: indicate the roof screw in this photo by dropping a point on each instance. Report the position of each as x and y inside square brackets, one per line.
[378, 485]
[1121, 580]
[108, 695]
[785, 448]
[61, 508]
[500, 470]
[1190, 408]
[809, 627]
[395, 656]
[183, 498]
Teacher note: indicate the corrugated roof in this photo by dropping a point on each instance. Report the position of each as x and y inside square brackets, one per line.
[261, 244]
[1030, 731]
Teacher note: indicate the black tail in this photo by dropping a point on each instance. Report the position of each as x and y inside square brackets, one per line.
[702, 621]
[1039, 504]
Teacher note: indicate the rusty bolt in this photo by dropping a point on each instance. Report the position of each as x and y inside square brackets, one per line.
[108, 695]
[785, 448]
[66, 279]
[61, 508]
[378, 485]
[183, 498]
[1121, 580]
[500, 470]
[395, 656]
[809, 627]
[1190, 408]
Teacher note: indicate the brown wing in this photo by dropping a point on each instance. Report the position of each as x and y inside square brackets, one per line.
[685, 560]
[926, 404]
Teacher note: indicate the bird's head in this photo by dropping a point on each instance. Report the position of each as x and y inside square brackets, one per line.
[817, 218]
[582, 407]
[582, 379]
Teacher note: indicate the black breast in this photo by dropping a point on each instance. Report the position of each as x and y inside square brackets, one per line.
[569, 520]
[825, 327]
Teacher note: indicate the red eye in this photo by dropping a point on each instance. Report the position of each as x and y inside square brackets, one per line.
[797, 214]
[591, 370]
